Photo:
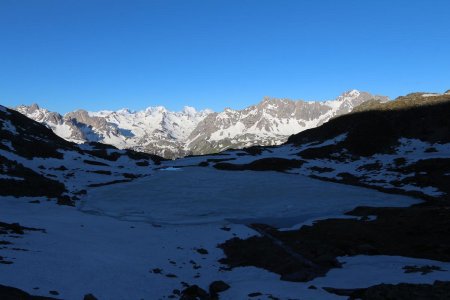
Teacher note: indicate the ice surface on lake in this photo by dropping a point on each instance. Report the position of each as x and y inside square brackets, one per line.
[205, 195]
[170, 169]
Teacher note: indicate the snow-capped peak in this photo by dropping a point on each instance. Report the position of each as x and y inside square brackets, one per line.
[351, 94]
[155, 109]
[189, 110]
[125, 111]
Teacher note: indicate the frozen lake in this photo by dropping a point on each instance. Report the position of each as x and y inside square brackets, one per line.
[196, 195]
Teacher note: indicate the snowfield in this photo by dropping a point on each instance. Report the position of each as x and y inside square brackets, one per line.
[139, 240]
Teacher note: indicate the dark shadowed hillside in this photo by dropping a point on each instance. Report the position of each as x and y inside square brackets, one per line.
[376, 127]
[36, 162]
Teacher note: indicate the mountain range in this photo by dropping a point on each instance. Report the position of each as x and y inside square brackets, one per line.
[159, 131]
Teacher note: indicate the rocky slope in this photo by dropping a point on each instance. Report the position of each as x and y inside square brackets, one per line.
[175, 134]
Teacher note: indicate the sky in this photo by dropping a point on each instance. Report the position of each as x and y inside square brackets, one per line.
[97, 54]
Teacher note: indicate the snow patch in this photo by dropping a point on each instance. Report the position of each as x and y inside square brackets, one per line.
[8, 126]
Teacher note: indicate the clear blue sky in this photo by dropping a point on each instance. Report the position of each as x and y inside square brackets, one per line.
[110, 54]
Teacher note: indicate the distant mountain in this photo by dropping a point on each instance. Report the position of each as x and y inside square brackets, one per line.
[175, 134]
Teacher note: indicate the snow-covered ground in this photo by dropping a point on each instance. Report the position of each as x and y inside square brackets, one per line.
[120, 233]
[77, 174]
[411, 150]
